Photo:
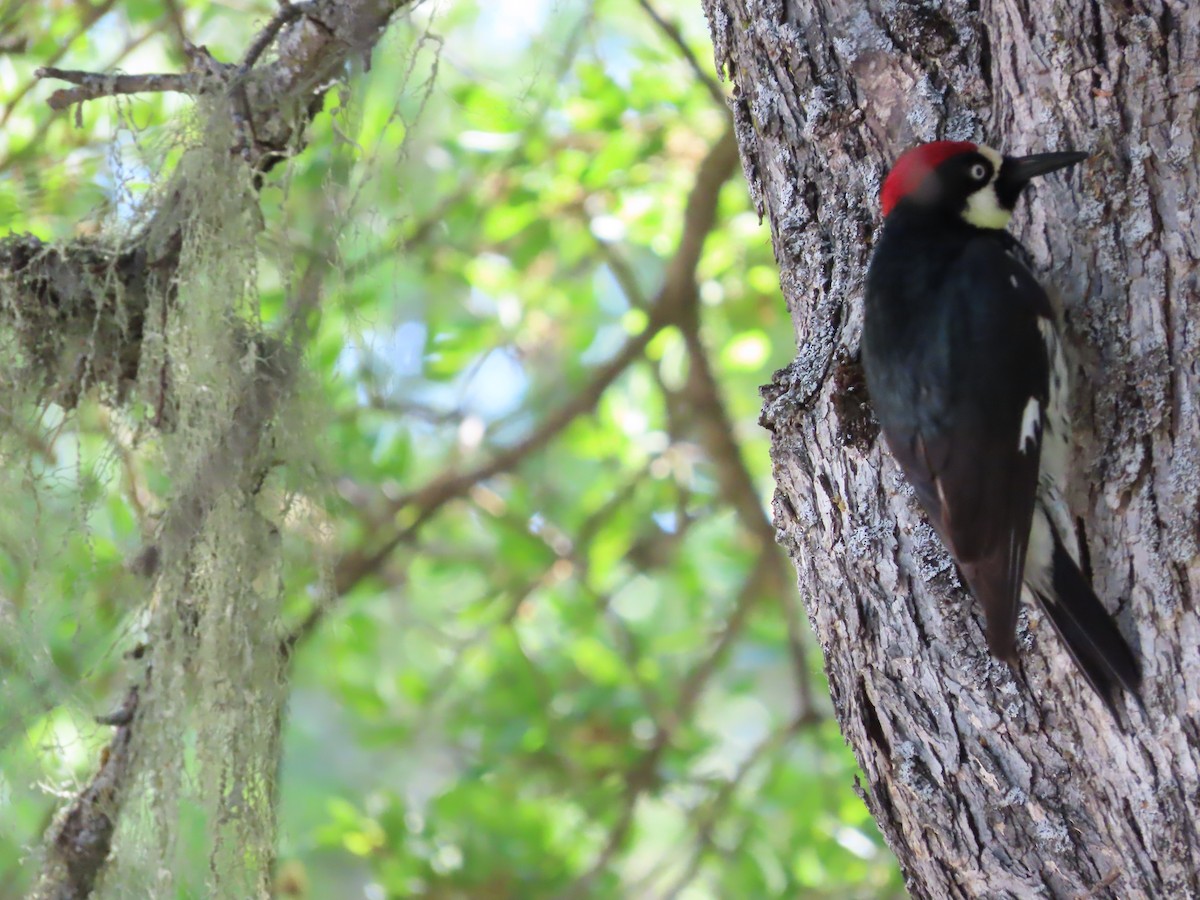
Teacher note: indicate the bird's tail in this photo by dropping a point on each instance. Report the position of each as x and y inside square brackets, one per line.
[1089, 633]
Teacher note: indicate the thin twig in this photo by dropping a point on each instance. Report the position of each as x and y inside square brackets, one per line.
[624, 275]
[92, 85]
[707, 817]
[671, 30]
[643, 776]
[431, 498]
[175, 16]
[47, 122]
[288, 12]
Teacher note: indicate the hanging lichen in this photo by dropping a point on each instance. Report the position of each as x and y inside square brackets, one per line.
[214, 689]
[195, 754]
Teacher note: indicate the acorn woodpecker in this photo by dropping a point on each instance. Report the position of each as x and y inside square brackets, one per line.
[965, 370]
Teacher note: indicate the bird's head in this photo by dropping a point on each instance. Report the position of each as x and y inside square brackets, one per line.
[968, 180]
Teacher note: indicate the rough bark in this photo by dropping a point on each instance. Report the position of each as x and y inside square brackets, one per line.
[990, 782]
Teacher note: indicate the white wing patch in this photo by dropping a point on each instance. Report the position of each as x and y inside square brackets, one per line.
[1031, 426]
[1056, 437]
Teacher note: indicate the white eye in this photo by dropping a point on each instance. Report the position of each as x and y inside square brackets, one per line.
[979, 172]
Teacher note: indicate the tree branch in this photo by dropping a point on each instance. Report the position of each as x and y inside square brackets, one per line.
[51, 294]
[81, 839]
[737, 487]
[675, 294]
[671, 30]
[708, 815]
[734, 479]
[288, 12]
[34, 140]
[643, 776]
[92, 85]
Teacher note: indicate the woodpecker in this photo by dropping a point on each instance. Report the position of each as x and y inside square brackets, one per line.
[964, 366]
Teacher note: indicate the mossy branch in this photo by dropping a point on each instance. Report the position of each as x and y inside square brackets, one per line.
[78, 311]
[51, 293]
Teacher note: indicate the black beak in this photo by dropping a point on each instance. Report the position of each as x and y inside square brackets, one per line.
[1017, 171]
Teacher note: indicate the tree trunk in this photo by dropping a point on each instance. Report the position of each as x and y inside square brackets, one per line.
[990, 782]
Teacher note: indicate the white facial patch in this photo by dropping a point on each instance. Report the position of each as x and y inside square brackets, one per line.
[1031, 423]
[983, 207]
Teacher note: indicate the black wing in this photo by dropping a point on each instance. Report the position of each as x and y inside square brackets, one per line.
[962, 406]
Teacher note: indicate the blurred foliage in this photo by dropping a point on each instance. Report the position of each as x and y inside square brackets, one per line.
[582, 672]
